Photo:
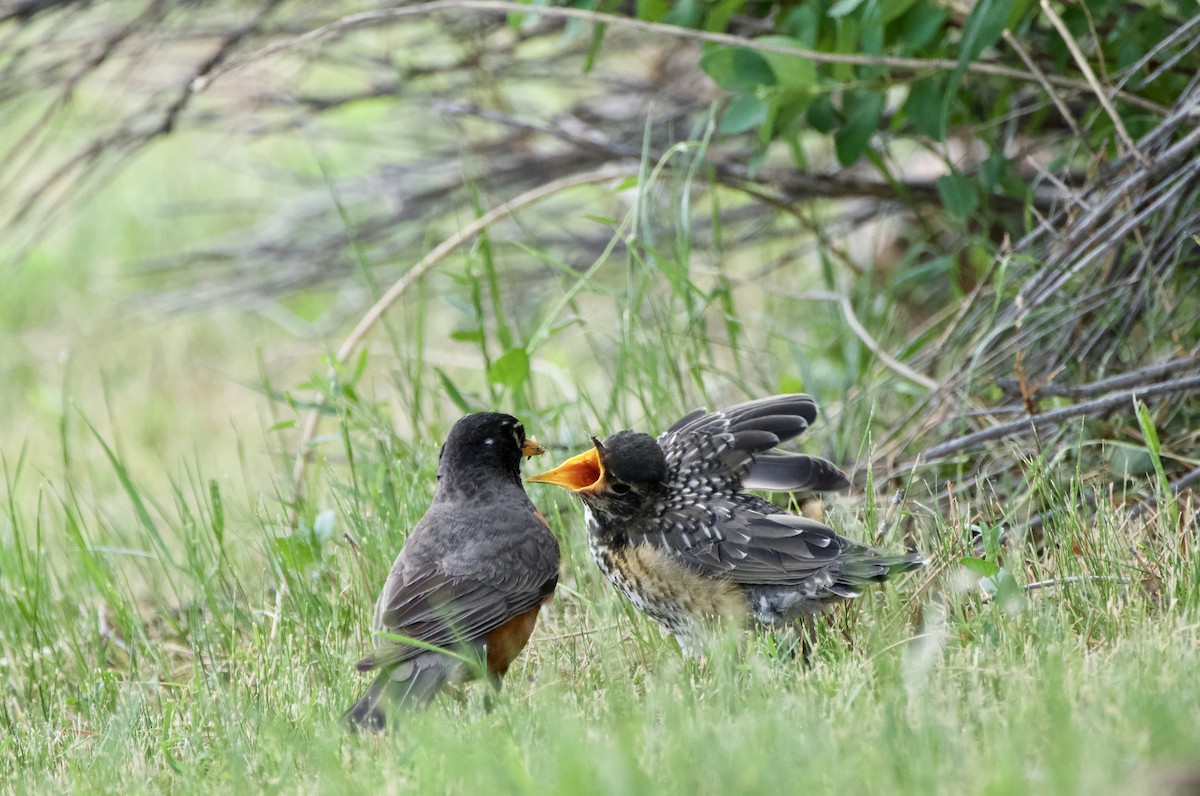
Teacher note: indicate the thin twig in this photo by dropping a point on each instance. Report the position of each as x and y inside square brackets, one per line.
[428, 262]
[1097, 89]
[1032, 66]
[916, 65]
[1177, 486]
[1120, 381]
[1049, 584]
[856, 326]
[884, 357]
[1042, 422]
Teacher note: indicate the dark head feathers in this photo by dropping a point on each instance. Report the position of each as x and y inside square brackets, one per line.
[634, 458]
[487, 441]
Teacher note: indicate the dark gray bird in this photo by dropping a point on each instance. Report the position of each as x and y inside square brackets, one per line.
[471, 578]
[671, 525]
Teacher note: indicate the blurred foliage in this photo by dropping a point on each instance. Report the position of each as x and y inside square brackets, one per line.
[929, 214]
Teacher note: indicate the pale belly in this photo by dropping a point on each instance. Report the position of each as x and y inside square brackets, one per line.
[680, 599]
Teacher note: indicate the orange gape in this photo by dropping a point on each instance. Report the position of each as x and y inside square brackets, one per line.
[505, 643]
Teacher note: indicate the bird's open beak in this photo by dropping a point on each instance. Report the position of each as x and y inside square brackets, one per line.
[531, 448]
[582, 473]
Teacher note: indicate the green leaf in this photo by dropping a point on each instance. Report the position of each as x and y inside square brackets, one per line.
[861, 123]
[791, 71]
[360, 366]
[1019, 7]
[589, 60]
[982, 28]
[139, 505]
[980, 566]
[993, 169]
[737, 69]
[298, 551]
[894, 9]
[511, 369]
[1154, 448]
[467, 335]
[843, 7]
[744, 113]
[685, 14]
[921, 25]
[958, 195]
[652, 10]
[785, 108]
[821, 115]
[846, 41]
[871, 38]
[452, 391]
[718, 16]
[925, 106]
[923, 273]
[218, 511]
[803, 25]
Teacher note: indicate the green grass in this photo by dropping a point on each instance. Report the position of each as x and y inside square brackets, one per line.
[163, 630]
[139, 668]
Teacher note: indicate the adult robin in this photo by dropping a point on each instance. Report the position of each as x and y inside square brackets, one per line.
[671, 525]
[470, 579]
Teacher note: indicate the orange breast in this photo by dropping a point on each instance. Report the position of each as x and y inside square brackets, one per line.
[505, 643]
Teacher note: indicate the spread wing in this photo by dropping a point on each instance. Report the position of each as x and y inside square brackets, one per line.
[462, 595]
[737, 446]
[709, 522]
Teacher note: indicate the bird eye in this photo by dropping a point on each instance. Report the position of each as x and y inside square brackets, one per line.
[621, 489]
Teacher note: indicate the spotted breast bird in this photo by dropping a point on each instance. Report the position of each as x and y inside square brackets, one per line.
[671, 525]
[470, 579]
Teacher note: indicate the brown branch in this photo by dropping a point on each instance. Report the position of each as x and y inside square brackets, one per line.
[910, 65]
[1043, 422]
[1121, 381]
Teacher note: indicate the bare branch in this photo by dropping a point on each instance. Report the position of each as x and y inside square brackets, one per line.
[1041, 423]
[1097, 89]
[909, 65]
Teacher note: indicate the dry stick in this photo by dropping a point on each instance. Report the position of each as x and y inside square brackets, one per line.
[1121, 380]
[1072, 579]
[353, 21]
[443, 250]
[1039, 423]
[1177, 486]
[871, 343]
[855, 325]
[1097, 89]
[1068, 117]
[1152, 55]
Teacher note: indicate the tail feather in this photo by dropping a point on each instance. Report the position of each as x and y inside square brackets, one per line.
[411, 685]
[873, 567]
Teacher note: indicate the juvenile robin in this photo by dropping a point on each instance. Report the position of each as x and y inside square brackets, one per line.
[671, 525]
[470, 579]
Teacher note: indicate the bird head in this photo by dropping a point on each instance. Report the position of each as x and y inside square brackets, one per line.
[615, 475]
[485, 441]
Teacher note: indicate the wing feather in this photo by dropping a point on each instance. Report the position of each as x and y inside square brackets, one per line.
[711, 459]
